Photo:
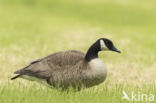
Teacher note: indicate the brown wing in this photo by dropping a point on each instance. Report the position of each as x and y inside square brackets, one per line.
[61, 59]
[44, 67]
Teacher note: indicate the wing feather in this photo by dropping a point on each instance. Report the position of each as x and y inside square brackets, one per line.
[46, 67]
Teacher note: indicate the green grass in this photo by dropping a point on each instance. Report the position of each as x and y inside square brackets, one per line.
[31, 29]
[19, 93]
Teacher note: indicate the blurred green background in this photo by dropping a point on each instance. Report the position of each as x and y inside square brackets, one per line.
[31, 29]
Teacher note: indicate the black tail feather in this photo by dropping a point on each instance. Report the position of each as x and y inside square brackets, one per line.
[15, 77]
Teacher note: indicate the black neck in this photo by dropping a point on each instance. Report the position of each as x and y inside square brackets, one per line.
[92, 52]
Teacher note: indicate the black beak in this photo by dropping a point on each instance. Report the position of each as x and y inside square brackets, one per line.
[115, 49]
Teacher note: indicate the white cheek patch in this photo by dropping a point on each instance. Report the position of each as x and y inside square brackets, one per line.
[102, 45]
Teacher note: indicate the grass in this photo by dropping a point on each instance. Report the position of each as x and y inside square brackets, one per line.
[18, 93]
[31, 29]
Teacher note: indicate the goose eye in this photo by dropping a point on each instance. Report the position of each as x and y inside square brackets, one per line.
[109, 44]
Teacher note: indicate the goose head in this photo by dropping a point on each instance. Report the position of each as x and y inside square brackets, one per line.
[106, 44]
[102, 44]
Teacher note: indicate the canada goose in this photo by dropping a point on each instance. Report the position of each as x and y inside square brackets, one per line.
[69, 68]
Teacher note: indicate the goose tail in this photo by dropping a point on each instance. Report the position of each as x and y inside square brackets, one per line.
[15, 77]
